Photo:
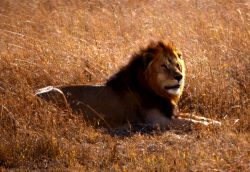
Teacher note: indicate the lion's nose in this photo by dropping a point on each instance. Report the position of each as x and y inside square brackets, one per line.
[178, 77]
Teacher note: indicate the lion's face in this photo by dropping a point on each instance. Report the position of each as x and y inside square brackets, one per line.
[165, 73]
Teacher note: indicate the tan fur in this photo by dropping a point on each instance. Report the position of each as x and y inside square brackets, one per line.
[146, 90]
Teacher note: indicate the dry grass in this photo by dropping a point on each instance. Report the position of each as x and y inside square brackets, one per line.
[45, 42]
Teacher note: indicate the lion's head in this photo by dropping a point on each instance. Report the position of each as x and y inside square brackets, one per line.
[165, 70]
[159, 67]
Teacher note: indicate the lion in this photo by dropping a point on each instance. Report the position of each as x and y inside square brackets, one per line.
[145, 91]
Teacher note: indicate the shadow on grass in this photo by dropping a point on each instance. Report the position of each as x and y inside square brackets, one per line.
[143, 129]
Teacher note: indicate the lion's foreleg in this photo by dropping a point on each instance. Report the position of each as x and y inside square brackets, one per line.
[197, 119]
[156, 119]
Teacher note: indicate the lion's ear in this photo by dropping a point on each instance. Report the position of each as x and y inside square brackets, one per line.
[161, 44]
[147, 58]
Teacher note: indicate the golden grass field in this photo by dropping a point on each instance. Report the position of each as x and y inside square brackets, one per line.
[56, 42]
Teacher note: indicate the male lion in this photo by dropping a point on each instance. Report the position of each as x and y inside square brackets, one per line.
[146, 91]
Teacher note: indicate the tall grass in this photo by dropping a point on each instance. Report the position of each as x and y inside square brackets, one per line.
[84, 42]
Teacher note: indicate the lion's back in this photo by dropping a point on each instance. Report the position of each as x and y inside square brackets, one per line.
[101, 102]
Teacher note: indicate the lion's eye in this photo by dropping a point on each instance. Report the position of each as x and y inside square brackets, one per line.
[178, 66]
[164, 67]
[179, 55]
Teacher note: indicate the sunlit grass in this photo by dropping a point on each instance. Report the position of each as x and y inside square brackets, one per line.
[76, 42]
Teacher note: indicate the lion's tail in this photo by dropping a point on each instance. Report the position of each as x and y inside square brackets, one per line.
[52, 94]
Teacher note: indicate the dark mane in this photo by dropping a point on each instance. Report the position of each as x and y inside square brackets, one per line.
[127, 75]
[131, 78]
[132, 73]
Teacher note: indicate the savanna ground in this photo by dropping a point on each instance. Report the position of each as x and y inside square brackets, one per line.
[53, 42]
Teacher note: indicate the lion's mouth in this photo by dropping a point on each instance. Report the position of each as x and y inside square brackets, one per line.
[172, 87]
